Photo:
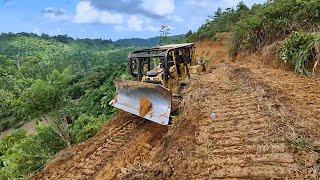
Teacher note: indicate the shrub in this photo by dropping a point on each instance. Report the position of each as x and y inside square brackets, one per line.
[41, 96]
[298, 50]
[273, 21]
[8, 141]
[245, 34]
[22, 155]
[85, 127]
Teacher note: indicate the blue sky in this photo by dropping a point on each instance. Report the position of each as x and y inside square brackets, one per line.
[107, 19]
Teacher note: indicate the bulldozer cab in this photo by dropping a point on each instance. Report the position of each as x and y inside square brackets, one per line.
[161, 64]
[157, 72]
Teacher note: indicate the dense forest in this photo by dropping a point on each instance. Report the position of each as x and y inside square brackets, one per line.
[61, 83]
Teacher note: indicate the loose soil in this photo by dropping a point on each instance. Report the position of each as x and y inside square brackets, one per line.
[267, 127]
[145, 107]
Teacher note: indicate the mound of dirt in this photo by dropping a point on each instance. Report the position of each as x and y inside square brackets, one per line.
[266, 127]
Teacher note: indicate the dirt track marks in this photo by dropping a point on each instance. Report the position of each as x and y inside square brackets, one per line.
[125, 140]
[298, 95]
[238, 143]
[302, 92]
[88, 157]
[140, 149]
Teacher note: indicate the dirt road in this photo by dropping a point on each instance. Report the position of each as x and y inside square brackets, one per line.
[266, 126]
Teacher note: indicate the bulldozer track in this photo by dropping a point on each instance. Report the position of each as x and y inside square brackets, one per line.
[238, 143]
[244, 148]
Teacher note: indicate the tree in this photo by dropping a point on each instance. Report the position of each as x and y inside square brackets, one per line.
[242, 10]
[217, 14]
[41, 97]
[164, 34]
[51, 97]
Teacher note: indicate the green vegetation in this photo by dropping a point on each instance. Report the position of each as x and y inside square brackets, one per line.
[221, 21]
[261, 25]
[65, 82]
[86, 127]
[22, 154]
[300, 143]
[165, 32]
[274, 21]
[298, 50]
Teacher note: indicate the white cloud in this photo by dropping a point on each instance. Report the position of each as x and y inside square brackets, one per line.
[152, 28]
[86, 14]
[110, 18]
[175, 18]
[107, 12]
[148, 8]
[208, 4]
[160, 8]
[137, 23]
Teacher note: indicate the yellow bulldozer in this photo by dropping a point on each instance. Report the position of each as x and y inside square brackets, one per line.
[158, 74]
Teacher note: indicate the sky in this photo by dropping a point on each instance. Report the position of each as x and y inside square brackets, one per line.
[108, 19]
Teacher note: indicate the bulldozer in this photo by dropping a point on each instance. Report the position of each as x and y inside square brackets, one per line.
[158, 73]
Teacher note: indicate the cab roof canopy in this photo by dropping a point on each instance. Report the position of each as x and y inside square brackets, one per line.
[174, 46]
[158, 51]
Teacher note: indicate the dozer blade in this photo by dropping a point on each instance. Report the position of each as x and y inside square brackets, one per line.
[149, 101]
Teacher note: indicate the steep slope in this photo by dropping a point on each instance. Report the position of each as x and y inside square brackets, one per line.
[266, 127]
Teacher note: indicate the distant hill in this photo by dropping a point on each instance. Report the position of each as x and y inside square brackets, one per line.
[150, 42]
[124, 43]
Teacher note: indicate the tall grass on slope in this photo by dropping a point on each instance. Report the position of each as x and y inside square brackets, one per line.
[299, 50]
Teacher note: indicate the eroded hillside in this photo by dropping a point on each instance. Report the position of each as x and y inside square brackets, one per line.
[266, 127]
